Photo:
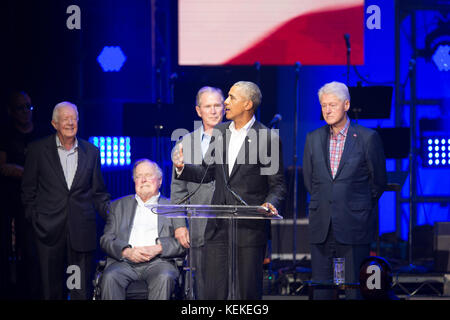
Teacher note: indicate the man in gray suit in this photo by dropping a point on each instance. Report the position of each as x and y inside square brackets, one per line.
[210, 108]
[140, 244]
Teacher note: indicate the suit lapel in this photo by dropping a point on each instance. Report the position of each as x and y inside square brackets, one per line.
[325, 141]
[243, 151]
[348, 147]
[81, 163]
[130, 206]
[54, 160]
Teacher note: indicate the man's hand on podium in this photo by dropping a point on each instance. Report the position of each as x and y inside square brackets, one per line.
[272, 210]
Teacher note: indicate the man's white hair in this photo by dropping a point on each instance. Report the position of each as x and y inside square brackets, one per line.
[61, 105]
[339, 89]
[153, 164]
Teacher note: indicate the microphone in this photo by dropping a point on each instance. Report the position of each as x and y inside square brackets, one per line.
[347, 41]
[231, 191]
[276, 118]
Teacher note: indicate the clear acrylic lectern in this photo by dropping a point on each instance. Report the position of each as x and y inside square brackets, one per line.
[231, 212]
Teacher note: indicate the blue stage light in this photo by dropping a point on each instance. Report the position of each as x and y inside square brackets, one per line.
[436, 151]
[111, 59]
[441, 57]
[110, 156]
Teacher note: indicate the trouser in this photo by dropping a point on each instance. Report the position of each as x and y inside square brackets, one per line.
[160, 276]
[59, 261]
[322, 265]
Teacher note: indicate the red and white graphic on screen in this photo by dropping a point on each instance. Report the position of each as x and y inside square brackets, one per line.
[282, 32]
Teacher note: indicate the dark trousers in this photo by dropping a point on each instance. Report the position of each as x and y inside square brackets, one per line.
[215, 265]
[322, 255]
[60, 261]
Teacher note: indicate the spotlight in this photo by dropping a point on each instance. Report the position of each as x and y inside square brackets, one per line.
[435, 151]
[437, 46]
[375, 279]
[110, 156]
[111, 59]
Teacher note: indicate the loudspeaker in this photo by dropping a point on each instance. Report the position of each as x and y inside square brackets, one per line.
[442, 247]
[282, 234]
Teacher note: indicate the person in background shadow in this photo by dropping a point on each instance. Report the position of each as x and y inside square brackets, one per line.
[344, 170]
[62, 188]
[19, 267]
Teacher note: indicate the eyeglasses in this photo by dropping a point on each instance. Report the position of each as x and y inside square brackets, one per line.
[24, 107]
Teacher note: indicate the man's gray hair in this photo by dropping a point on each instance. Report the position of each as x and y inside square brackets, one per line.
[61, 105]
[339, 89]
[207, 89]
[155, 166]
[251, 91]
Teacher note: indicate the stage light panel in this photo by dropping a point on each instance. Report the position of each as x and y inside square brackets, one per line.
[110, 156]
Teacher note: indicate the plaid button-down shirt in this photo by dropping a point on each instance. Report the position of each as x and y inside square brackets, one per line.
[337, 147]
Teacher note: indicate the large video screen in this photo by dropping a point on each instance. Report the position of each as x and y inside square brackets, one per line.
[271, 32]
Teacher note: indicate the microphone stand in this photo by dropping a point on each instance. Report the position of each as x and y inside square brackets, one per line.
[258, 82]
[294, 207]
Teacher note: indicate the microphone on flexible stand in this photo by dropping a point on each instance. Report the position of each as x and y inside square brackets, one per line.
[276, 119]
[349, 49]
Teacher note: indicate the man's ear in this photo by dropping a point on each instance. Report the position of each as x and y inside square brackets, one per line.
[54, 124]
[249, 105]
[197, 108]
[346, 105]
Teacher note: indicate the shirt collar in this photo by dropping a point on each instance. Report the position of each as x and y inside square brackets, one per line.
[202, 132]
[59, 144]
[344, 130]
[152, 200]
[245, 128]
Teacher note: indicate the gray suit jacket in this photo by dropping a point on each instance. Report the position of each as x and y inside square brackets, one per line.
[192, 153]
[118, 228]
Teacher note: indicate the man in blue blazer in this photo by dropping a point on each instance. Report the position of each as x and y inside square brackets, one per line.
[344, 171]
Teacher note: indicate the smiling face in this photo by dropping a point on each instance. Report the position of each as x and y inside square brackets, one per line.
[146, 181]
[210, 109]
[66, 123]
[334, 110]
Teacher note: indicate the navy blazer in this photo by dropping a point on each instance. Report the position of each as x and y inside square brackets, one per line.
[347, 201]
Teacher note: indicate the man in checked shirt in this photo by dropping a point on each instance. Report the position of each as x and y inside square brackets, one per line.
[344, 171]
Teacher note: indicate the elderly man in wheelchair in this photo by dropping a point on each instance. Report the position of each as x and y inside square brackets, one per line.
[140, 245]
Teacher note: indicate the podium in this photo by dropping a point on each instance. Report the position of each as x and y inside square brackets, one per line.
[230, 212]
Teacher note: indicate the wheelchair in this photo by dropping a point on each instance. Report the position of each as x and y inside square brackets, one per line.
[137, 290]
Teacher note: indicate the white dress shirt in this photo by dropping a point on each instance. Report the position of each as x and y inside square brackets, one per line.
[69, 160]
[144, 230]
[236, 140]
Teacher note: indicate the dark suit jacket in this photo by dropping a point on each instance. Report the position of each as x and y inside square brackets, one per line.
[49, 203]
[246, 179]
[118, 229]
[348, 200]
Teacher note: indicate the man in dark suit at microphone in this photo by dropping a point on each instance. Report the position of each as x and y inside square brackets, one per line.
[244, 158]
